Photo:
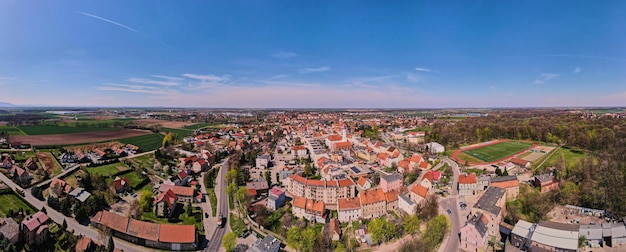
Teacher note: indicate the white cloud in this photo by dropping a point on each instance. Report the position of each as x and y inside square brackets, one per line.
[168, 83]
[170, 78]
[577, 70]
[421, 69]
[135, 89]
[545, 77]
[284, 55]
[207, 78]
[315, 69]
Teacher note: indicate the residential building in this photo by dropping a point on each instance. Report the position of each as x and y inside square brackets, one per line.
[552, 236]
[267, 244]
[311, 210]
[418, 194]
[364, 183]
[298, 152]
[468, 184]
[21, 176]
[263, 161]
[335, 229]
[373, 203]
[546, 182]
[121, 185]
[521, 233]
[482, 182]
[165, 200]
[391, 182]
[183, 193]
[327, 191]
[509, 183]
[492, 204]
[618, 234]
[276, 199]
[592, 235]
[80, 194]
[10, 230]
[58, 188]
[406, 204]
[391, 199]
[428, 180]
[34, 229]
[31, 164]
[474, 233]
[349, 209]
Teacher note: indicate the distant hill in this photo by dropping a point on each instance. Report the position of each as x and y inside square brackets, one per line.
[6, 104]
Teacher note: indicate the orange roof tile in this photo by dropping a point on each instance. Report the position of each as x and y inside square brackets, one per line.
[314, 182]
[382, 155]
[318, 207]
[348, 204]
[114, 221]
[299, 202]
[420, 190]
[372, 196]
[144, 230]
[416, 158]
[183, 190]
[467, 179]
[298, 178]
[391, 196]
[335, 138]
[177, 233]
[428, 175]
[506, 184]
[345, 182]
[362, 181]
[343, 145]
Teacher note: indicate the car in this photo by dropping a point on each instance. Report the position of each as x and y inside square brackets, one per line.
[245, 234]
[206, 215]
[449, 211]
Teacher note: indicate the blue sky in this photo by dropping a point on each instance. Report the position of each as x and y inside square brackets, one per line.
[357, 54]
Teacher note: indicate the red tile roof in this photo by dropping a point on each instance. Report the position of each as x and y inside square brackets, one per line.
[348, 204]
[345, 182]
[429, 176]
[420, 190]
[340, 145]
[467, 179]
[252, 191]
[114, 221]
[372, 196]
[34, 221]
[298, 147]
[518, 161]
[362, 181]
[177, 233]
[391, 196]
[506, 184]
[299, 202]
[335, 138]
[144, 230]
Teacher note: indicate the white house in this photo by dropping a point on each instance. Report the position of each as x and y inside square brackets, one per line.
[349, 209]
[263, 161]
[435, 147]
[406, 204]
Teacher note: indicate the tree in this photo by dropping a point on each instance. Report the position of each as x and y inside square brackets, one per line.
[229, 241]
[64, 225]
[294, 238]
[411, 224]
[268, 178]
[110, 244]
[146, 200]
[381, 229]
[436, 229]
[189, 209]
[308, 239]
[498, 171]
[242, 194]
[505, 172]
[135, 210]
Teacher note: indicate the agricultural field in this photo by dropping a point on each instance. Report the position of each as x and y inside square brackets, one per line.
[146, 142]
[10, 201]
[13, 131]
[495, 152]
[179, 132]
[108, 170]
[201, 125]
[79, 138]
[49, 163]
[53, 129]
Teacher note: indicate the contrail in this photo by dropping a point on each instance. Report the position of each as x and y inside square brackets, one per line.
[111, 22]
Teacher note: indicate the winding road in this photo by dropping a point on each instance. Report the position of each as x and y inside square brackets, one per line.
[215, 242]
[452, 241]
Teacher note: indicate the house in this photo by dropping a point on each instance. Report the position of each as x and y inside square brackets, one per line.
[418, 194]
[311, 210]
[7, 162]
[468, 184]
[258, 185]
[165, 200]
[34, 229]
[618, 234]
[276, 199]
[428, 180]
[30, 164]
[552, 236]
[520, 162]
[417, 161]
[298, 152]
[364, 183]
[474, 233]
[383, 159]
[85, 243]
[121, 185]
[546, 182]
[10, 230]
[345, 146]
[160, 236]
[592, 234]
[406, 204]
[434, 148]
[263, 161]
[348, 209]
[492, 204]
[183, 193]
[521, 233]
[373, 203]
[267, 244]
[298, 206]
[334, 229]
[482, 182]
[58, 188]
[391, 182]
[391, 199]
[509, 183]
[327, 191]
[21, 176]
[80, 194]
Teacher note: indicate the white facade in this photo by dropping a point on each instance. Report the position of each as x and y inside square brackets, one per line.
[406, 204]
[349, 215]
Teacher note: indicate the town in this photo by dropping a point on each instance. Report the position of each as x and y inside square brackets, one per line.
[305, 180]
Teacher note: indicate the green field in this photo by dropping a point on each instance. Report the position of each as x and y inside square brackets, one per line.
[498, 151]
[146, 142]
[11, 201]
[179, 132]
[45, 129]
[202, 125]
[132, 176]
[571, 157]
[107, 170]
[13, 131]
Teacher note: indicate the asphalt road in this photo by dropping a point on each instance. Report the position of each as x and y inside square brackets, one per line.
[452, 241]
[215, 242]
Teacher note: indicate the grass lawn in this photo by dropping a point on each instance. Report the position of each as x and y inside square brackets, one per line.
[179, 216]
[474, 170]
[145, 161]
[498, 151]
[133, 178]
[20, 158]
[13, 131]
[466, 157]
[213, 199]
[179, 132]
[45, 130]
[107, 170]
[146, 142]
[572, 157]
[11, 201]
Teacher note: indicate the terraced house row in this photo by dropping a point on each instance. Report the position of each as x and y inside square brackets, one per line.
[327, 191]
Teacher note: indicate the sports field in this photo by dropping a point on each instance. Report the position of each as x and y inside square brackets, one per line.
[495, 152]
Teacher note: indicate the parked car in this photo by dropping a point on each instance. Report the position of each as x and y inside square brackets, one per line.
[245, 234]
[449, 211]
[206, 215]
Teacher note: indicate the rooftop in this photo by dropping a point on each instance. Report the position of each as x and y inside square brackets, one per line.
[558, 235]
[392, 177]
[489, 200]
[267, 244]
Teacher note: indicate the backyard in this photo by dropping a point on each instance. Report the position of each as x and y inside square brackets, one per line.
[10, 201]
[109, 169]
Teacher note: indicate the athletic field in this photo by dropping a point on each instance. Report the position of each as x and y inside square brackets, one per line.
[495, 152]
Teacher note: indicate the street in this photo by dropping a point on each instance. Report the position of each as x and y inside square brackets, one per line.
[215, 242]
[451, 242]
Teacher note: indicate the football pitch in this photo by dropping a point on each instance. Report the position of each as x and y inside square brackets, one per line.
[495, 152]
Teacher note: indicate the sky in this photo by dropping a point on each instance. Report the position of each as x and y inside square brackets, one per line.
[313, 54]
